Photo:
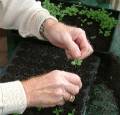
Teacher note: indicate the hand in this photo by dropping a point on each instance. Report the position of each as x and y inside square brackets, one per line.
[51, 89]
[72, 39]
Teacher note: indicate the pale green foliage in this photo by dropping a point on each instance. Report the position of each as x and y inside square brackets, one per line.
[57, 111]
[77, 62]
[72, 113]
[101, 16]
[39, 109]
[15, 114]
[92, 37]
[58, 10]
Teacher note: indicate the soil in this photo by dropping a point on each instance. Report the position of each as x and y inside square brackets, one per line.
[33, 57]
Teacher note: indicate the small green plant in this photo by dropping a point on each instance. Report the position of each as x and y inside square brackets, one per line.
[39, 109]
[89, 23]
[92, 37]
[72, 113]
[57, 111]
[84, 20]
[81, 24]
[55, 10]
[15, 114]
[102, 17]
[58, 10]
[77, 62]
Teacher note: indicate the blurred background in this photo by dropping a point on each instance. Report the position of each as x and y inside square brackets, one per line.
[111, 4]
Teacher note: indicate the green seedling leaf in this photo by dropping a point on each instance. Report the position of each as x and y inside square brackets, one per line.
[72, 113]
[77, 62]
[92, 37]
[15, 114]
[39, 109]
[57, 111]
[89, 23]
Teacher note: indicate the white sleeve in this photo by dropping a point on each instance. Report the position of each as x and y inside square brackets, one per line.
[24, 15]
[12, 98]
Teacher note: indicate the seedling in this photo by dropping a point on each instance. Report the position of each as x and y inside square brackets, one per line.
[58, 10]
[89, 23]
[81, 25]
[102, 17]
[77, 62]
[92, 37]
[15, 114]
[84, 20]
[39, 109]
[72, 113]
[100, 31]
[57, 111]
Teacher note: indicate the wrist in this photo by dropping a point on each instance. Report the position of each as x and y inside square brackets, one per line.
[28, 88]
[46, 25]
[31, 88]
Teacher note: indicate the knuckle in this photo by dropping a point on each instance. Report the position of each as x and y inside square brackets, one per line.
[59, 82]
[82, 31]
[56, 72]
[59, 92]
[78, 78]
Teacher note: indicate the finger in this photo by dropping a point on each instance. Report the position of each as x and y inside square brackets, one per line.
[66, 96]
[73, 78]
[85, 47]
[68, 55]
[71, 47]
[86, 52]
[62, 102]
[72, 89]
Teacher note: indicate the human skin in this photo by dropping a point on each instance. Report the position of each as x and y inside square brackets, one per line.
[72, 39]
[51, 89]
[56, 87]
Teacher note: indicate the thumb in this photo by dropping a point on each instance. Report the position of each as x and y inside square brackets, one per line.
[72, 48]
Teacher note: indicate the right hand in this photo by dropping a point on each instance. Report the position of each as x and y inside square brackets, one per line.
[51, 89]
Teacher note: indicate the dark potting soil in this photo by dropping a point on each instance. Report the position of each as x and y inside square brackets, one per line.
[33, 57]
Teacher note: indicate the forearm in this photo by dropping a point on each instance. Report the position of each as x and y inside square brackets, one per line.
[12, 98]
[24, 15]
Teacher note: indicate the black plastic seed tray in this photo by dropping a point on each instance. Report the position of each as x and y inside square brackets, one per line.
[33, 57]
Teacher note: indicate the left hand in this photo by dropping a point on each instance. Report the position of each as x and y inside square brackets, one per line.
[73, 40]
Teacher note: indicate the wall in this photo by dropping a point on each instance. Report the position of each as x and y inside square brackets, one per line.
[115, 4]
